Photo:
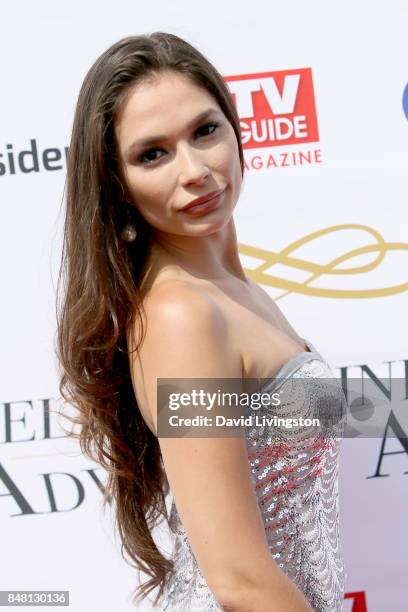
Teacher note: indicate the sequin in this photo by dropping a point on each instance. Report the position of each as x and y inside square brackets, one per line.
[295, 478]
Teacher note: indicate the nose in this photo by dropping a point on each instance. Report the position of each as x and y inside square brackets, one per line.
[192, 166]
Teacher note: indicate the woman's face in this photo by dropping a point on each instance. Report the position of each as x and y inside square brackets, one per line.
[192, 156]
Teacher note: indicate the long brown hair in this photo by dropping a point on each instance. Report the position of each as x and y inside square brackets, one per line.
[98, 286]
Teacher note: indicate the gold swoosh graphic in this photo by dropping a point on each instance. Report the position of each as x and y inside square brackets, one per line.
[381, 247]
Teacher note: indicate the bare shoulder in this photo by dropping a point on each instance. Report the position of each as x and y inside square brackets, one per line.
[179, 307]
[175, 295]
[186, 336]
[183, 318]
[175, 300]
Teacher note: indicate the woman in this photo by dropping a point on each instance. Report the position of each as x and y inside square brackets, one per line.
[154, 290]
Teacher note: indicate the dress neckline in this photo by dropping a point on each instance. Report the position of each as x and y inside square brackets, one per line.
[293, 363]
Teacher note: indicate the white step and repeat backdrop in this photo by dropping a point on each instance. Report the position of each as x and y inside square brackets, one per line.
[322, 226]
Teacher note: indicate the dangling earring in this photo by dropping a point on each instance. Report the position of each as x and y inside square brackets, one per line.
[128, 232]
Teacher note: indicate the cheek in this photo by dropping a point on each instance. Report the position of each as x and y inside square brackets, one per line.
[146, 188]
[232, 165]
[222, 157]
[231, 150]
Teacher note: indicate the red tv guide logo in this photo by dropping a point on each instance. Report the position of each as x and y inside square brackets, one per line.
[275, 108]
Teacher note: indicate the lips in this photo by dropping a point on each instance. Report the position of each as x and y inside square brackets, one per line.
[202, 199]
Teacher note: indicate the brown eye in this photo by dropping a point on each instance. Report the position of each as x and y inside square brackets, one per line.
[144, 159]
[207, 125]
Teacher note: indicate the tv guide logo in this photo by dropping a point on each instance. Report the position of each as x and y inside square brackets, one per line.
[275, 108]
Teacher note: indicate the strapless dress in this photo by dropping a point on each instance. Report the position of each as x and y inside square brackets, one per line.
[295, 477]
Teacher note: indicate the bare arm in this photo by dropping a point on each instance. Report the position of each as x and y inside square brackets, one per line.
[187, 337]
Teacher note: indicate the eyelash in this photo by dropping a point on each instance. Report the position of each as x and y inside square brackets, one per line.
[140, 158]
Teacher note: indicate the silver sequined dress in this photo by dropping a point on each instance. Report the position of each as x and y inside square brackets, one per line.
[295, 477]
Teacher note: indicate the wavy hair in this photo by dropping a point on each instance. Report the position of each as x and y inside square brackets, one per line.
[98, 295]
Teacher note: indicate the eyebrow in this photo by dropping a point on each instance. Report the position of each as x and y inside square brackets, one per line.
[155, 139]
